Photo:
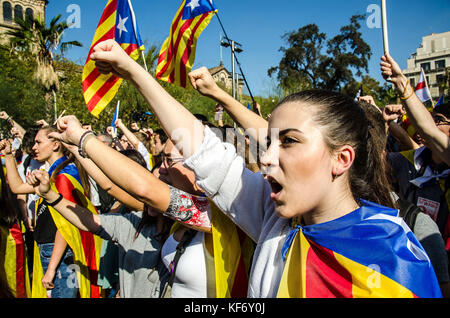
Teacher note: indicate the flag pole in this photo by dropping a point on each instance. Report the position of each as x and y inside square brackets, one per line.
[426, 85]
[115, 118]
[385, 29]
[133, 18]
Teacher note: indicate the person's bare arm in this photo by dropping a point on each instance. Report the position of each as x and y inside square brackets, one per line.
[59, 249]
[418, 114]
[79, 216]
[105, 183]
[134, 141]
[255, 125]
[390, 114]
[14, 180]
[13, 123]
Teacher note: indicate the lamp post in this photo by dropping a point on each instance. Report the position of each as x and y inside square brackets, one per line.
[235, 48]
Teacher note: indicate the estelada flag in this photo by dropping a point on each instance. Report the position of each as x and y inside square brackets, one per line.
[233, 252]
[177, 54]
[231, 249]
[86, 246]
[370, 252]
[14, 268]
[13, 255]
[118, 22]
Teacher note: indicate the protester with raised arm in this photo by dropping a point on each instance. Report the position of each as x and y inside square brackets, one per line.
[136, 143]
[420, 117]
[57, 243]
[21, 131]
[321, 171]
[255, 125]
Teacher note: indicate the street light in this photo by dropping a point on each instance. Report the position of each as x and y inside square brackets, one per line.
[236, 47]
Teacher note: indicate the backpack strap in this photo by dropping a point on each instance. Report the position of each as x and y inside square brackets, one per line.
[181, 248]
[409, 212]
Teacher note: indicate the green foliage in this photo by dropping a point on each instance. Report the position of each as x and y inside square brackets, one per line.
[383, 95]
[305, 65]
[34, 38]
[20, 95]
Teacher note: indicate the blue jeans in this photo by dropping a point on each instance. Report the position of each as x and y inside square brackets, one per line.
[65, 280]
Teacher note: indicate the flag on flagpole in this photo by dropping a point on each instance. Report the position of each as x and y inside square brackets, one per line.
[116, 116]
[177, 54]
[422, 91]
[118, 22]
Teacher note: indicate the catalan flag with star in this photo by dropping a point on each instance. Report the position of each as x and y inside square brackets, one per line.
[177, 54]
[118, 22]
[369, 253]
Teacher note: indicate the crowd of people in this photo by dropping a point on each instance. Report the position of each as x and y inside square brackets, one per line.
[193, 211]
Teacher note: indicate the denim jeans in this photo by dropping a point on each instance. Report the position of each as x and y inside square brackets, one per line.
[65, 280]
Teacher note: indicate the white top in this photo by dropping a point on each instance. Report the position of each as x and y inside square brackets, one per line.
[190, 277]
[144, 152]
[245, 197]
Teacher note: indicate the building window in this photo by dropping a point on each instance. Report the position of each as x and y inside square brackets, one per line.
[412, 81]
[440, 78]
[18, 12]
[440, 64]
[7, 12]
[426, 66]
[29, 14]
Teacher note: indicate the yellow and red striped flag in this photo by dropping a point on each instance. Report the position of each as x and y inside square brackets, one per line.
[86, 246]
[118, 22]
[14, 268]
[177, 54]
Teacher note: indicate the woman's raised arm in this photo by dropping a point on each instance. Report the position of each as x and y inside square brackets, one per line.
[184, 129]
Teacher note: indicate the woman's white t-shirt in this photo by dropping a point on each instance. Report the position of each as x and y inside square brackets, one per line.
[190, 280]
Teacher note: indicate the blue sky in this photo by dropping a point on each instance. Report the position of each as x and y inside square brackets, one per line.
[259, 25]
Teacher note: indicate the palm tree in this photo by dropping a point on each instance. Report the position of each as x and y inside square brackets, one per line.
[34, 37]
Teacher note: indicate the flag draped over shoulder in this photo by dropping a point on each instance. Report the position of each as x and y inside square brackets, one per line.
[14, 266]
[233, 251]
[118, 22]
[177, 54]
[14, 269]
[370, 252]
[86, 246]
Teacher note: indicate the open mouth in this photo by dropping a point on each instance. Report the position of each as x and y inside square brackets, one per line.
[276, 188]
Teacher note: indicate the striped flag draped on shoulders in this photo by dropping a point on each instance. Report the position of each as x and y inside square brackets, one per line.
[370, 252]
[86, 246]
[177, 54]
[118, 22]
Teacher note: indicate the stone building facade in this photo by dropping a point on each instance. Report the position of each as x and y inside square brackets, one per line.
[11, 9]
[433, 56]
[222, 76]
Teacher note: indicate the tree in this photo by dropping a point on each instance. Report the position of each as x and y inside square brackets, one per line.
[301, 59]
[35, 38]
[304, 64]
[20, 96]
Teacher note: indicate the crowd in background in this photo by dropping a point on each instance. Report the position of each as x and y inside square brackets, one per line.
[191, 210]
